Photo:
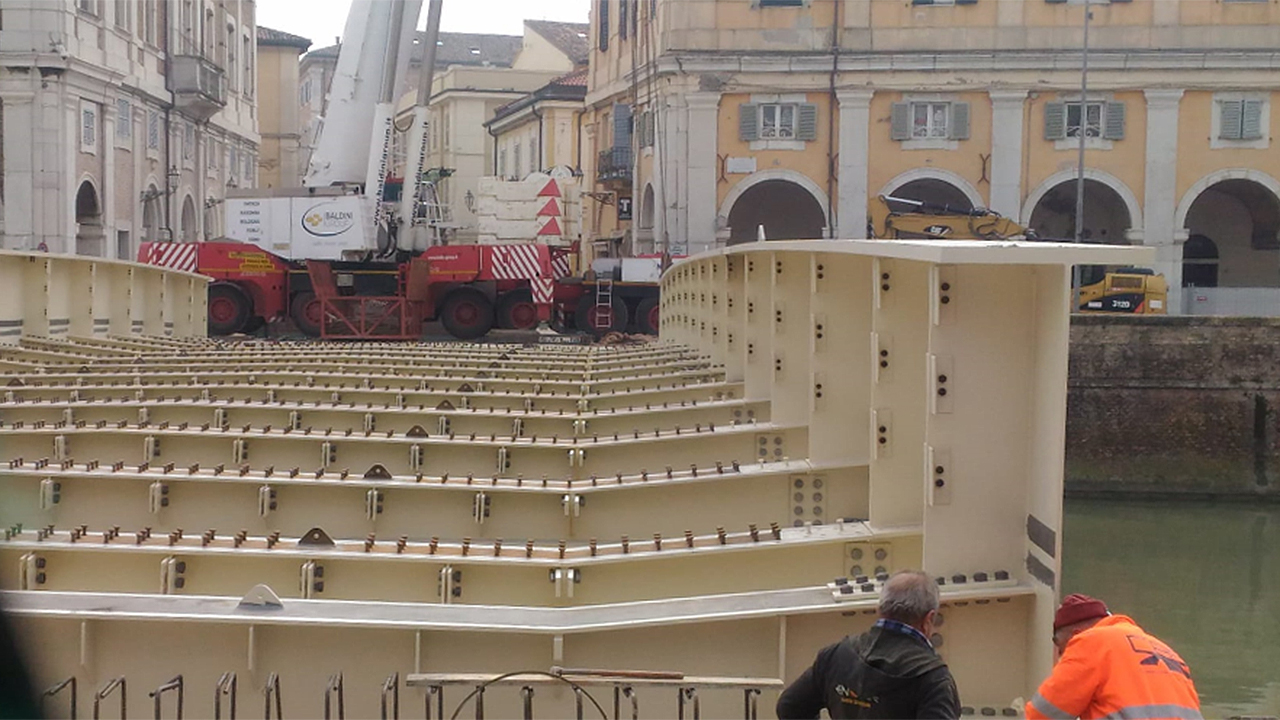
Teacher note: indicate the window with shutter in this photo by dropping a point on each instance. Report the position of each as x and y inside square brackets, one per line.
[622, 126]
[124, 119]
[622, 19]
[900, 121]
[959, 121]
[807, 124]
[1230, 113]
[748, 122]
[604, 24]
[1113, 121]
[1055, 121]
[1251, 120]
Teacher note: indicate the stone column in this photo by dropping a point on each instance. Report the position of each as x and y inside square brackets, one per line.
[700, 190]
[1007, 121]
[854, 149]
[19, 169]
[670, 190]
[107, 152]
[1161, 202]
[61, 233]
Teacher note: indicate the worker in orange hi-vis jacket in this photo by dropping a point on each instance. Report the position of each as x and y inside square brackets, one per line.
[1108, 667]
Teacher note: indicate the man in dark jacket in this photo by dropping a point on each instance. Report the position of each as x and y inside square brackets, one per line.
[890, 671]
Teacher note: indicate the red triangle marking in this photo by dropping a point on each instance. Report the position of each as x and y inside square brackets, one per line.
[550, 190]
[551, 228]
[551, 209]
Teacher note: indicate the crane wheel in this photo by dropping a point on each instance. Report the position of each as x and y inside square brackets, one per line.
[517, 311]
[229, 308]
[647, 316]
[467, 314]
[599, 320]
[307, 313]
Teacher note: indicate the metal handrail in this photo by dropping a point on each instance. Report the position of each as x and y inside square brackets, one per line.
[106, 690]
[272, 689]
[334, 686]
[689, 693]
[391, 685]
[158, 694]
[436, 691]
[751, 703]
[526, 694]
[57, 689]
[226, 686]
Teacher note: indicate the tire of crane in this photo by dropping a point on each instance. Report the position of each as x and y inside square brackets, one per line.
[307, 313]
[467, 314]
[516, 310]
[587, 312]
[647, 315]
[229, 308]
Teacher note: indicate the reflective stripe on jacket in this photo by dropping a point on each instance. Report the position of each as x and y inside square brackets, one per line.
[1115, 670]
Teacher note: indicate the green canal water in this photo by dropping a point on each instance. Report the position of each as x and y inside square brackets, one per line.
[1204, 578]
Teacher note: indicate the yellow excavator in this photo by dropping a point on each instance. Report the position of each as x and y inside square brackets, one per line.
[1136, 291]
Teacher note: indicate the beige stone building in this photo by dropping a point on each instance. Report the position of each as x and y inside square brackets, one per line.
[719, 116]
[475, 76]
[280, 155]
[124, 120]
[541, 130]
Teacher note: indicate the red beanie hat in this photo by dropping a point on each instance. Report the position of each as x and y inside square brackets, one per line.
[1078, 608]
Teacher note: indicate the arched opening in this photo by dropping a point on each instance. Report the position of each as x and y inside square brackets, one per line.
[151, 214]
[934, 192]
[188, 220]
[89, 231]
[1106, 218]
[785, 209]
[1199, 262]
[1240, 220]
[646, 208]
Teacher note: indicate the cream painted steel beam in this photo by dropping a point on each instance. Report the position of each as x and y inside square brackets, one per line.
[59, 295]
[848, 394]
[464, 618]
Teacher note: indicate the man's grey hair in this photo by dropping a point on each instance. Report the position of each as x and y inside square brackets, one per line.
[908, 596]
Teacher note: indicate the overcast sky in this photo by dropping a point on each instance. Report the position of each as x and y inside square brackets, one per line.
[322, 20]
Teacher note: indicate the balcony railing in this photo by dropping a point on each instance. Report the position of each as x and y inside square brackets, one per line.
[614, 164]
[200, 85]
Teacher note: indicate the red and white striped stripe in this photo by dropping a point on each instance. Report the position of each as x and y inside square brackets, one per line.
[175, 256]
[516, 262]
[543, 289]
[560, 266]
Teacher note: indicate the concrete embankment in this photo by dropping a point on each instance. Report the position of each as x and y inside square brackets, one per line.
[1174, 407]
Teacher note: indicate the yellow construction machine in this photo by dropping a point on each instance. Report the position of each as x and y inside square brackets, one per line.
[1136, 291]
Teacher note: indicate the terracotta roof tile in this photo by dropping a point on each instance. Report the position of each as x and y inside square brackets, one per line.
[569, 38]
[278, 38]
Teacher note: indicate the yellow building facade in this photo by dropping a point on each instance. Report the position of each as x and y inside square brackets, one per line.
[280, 161]
[714, 118]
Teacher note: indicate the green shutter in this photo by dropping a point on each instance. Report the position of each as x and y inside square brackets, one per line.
[959, 125]
[1251, 123]
[807, 122]
[604, 25]
[1056, 2]
[921, 2]
[749, 122]
[966, 2]
[1055, 120]
[1230, 113]
[1113, 121]
[621, 126]
[900, 121]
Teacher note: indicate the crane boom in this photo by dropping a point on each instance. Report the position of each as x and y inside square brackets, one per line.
[372, 64]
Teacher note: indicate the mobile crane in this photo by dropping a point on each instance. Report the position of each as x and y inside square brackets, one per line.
[354, 254]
